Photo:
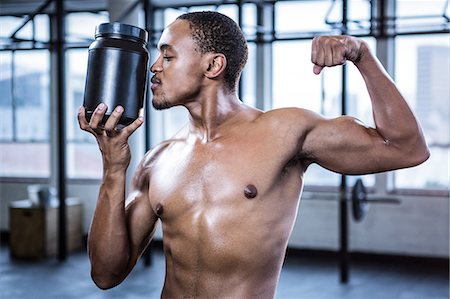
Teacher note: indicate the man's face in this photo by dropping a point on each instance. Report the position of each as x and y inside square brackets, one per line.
[177, 71]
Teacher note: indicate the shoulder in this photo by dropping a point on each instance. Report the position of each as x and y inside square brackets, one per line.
[144, 169]
[155, 152]
[296, 119]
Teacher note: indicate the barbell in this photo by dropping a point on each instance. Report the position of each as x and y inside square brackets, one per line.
[359, 198]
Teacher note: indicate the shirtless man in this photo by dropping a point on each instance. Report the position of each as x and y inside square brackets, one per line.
[227, 187]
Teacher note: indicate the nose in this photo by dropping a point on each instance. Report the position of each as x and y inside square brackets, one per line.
[157, 65]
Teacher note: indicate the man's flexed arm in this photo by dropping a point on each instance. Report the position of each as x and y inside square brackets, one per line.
[344, 144]
[120, 229]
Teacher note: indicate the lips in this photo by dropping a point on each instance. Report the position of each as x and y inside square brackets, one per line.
[155, 83]
[155, 80]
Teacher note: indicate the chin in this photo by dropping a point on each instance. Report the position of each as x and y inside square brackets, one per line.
[161, 105]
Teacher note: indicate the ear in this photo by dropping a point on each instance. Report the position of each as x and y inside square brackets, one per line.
[216, 64]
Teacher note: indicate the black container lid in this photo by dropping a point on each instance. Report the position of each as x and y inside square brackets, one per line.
[120, 29]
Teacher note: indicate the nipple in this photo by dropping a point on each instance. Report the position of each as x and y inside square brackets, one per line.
[250, 191]
[159, 209]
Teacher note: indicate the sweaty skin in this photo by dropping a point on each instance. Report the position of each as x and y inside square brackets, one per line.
[226, 188]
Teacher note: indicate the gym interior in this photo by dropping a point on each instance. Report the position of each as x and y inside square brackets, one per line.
[378, 236]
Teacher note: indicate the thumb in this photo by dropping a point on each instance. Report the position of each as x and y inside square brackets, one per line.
[317, 69]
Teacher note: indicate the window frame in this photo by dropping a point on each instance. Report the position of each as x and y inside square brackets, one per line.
[382, 26]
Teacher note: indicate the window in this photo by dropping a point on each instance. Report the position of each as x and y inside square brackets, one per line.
[422, 74]
[83, 157]
[25, 101]
[248, 78]
[6, 108]
[422, 15]
[303, 18]
[294, 83]
[80, 27]
[294, 18]
[25, 108]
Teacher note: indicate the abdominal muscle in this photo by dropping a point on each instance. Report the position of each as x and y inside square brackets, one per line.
[217, 251]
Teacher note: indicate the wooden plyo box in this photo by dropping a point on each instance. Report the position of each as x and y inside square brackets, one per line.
[34, 229]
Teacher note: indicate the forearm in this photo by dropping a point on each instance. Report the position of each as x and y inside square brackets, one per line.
[394, 120]
[108, 240]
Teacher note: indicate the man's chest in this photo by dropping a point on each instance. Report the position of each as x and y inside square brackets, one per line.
[197, 176]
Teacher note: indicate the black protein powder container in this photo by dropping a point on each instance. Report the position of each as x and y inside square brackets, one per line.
[117, 71]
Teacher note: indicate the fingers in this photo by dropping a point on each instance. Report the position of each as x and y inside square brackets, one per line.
[317, 69]
[110, 128]
[128, 130]
[113, 119]
[327, 51]
[97, 117]
[84, 125]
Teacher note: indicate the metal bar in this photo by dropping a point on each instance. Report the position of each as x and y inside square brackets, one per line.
[148, 17]
[276, 39]
[30, 17]
[149, 14]
[33, 24]
[343, 207]
[61, 130]
[373, 18]
[129, 10]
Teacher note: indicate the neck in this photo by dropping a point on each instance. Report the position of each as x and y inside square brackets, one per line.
[211, 111]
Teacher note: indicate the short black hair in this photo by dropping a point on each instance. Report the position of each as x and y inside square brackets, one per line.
[215, 32]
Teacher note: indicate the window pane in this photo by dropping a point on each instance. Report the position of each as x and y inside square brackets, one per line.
[421, 15]
[76, 68]
[422, 74]
[8, 25]
[42, 28]
[359, 16]
[309, 16]
[249, 77]
[83, 156]
[32, 95]
[249, 20]
[6, 112]
[24, 159]
[170, 14]
[81, 26]
[84, 160]
[294, 83]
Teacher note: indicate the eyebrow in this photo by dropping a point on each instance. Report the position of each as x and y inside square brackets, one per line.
[164, 47]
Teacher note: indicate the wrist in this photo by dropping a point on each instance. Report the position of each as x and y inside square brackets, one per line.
[115, 165]
[363, 55]
[114, 171]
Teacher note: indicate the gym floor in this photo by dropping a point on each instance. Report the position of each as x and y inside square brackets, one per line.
[305, 275]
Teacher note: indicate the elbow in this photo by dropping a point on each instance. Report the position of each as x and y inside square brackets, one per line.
[424, 155]
[419, 153]
[105, 282]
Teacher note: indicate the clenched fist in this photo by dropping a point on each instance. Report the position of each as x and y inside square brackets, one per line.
[335, 50]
